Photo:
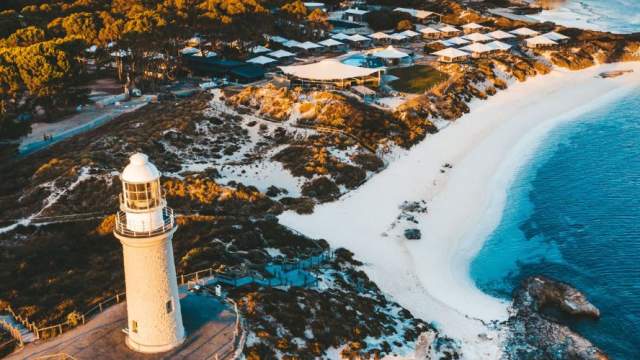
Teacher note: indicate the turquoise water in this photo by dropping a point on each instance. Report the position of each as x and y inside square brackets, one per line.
[573, 213]
[619, 16]
[363, 61]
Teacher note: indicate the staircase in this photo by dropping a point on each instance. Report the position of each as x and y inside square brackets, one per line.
[16, 329]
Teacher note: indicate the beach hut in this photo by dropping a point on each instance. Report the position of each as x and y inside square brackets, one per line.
[500, 35]
[262, 60]
[331, 73]
[309, 46]
[397, 38]
[392, 56]
[472, 27]
[477, 37]
[450, 31]
[278, 39]
[334, 45]
[499, 46]
[477, 49]
[540, 41]
[259, 49]
[524, 32]
[458, 41]
[380, 37]
[421, 16]
[282, 55]
[450, 55]
[359, 40]
[354, 15]
[340, 36]
[291, 44]
[557, 37]
[430, 33]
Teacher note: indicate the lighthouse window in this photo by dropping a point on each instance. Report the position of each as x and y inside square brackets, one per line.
[134, 326]
[142, 196]
[169, 306]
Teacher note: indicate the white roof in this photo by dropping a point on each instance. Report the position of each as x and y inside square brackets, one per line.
[356, 11]
[420, 14]
[498, 45]
[139, 170]
[309, 45]
[357, 37]
[477, 48]
[328, 69]
[524, 31]
[450, 52]
[397, 36]
[429, 30]
[458, 41]
[189, 50]
[500, 35]
[449, 28]
[280, 54]
[260, 49]
[552, 35]
[91, 49]
[261, 60]
[363, 90]
[209, 54]
[340, 36]
[477, 37]
[314, 4]
[540, 40]
[409, 33]
[330, 42]
[379, 35]
[292, 43]
[390, 53]
[279, 39]
[472, 26]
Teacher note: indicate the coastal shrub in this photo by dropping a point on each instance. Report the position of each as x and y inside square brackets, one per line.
[321, 188]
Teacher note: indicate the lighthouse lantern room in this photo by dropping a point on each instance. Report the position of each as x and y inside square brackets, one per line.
[145, 227]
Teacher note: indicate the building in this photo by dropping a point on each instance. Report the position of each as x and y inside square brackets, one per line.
[331, 73]
[557, 37]
[430, 33]
[333, 45]
[450, 55]
[472, 27]
[500, 35]
[450, 31]
[421, 16]
[393, 56]
[524, 32]
[359, 41]
[354, 15]
[499, 46]
[478, 37]
[315, 5]
[262, 60]
[145, 228]
[477, 49]
[282, 55]
[538, 42]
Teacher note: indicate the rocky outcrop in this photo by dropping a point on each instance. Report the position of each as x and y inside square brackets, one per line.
[537, 336]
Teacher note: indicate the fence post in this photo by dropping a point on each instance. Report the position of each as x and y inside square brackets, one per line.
[83, 322]
[182, 279]
[117, 298]
[60, 328]
[210, 272]
[100, 306]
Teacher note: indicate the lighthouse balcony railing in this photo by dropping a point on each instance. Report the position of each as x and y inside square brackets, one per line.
[168, 223]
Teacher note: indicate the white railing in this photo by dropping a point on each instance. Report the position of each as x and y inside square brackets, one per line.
[168, 222]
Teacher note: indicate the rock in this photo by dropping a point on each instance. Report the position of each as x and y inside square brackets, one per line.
[538, 292]
[412, 234]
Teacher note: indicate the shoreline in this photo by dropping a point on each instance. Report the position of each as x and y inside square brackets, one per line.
[486, 147]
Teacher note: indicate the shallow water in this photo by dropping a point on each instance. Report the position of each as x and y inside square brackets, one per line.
[619, 16]
[573, 213]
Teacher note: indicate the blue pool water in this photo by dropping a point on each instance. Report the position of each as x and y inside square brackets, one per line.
[363, 61]
[573, 213]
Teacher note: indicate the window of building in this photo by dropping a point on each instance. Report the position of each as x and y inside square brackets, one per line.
[134, 326]
[169, 306]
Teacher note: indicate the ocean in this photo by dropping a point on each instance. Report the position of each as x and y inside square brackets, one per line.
[573, 214]
[618, 16]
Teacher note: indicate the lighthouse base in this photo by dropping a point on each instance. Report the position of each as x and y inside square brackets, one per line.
[151, 349]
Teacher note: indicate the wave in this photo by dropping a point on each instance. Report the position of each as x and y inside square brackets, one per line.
[618, 16]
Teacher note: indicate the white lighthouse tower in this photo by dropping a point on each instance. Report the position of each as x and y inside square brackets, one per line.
[145, 226]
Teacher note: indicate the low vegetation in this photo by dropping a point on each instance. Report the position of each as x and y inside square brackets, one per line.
[416, 79]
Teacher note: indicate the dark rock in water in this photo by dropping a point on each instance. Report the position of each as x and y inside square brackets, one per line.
[534, 336]
[412, 234]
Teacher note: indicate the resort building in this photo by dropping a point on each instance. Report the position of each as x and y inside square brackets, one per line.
[259, 49]
[410, 34]
[539, 42]
[430, 33]
[457, 41]
[315, 5]
[478, 37]
[145, 228]
[281, 55]
[333, 45]
[278, 39]
[291, 44]
[331, 73]
[524, 32]
[499, 46]
[262, 60]
[380, 37]
[472, 27]
[501, 35]
[449, 31]
[398, 38]
[359, 41]
[340, 36]
[557, 37]
[421, 16]
[450, 55]
[477, 49]
[309, 47]
[354, 15]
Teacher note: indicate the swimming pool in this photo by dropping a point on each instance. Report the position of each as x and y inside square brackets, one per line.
[362, 60]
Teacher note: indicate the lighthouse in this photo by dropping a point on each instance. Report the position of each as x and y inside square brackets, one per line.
[145, 227]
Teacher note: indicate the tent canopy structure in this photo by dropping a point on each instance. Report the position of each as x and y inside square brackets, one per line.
[358, 38]
[449, 29]
[472, 26]
[279, 54]
[308, 45]
[340, 36]
[458, 41]
[261, 60]
[451, 53]
[418, 14]
[524, 31]
[539, 41]
[390, 53]
[500, 35]
[379, 35]
[259, 49]
[429, 30]
[278, 39]
[397, 37]
[552, 35]
[477, 48]
[499, 45]
[329, 69]
[330, 42]
[478, 37]
[409, 33]
[291, 43]
[189, 50]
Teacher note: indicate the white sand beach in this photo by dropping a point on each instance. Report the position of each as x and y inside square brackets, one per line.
[430, 276]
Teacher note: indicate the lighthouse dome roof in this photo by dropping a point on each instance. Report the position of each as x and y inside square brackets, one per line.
[140, 170]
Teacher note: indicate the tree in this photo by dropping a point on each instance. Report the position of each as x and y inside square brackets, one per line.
[25, 37]
[404, 25]
[295, 10]
[83, 25]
